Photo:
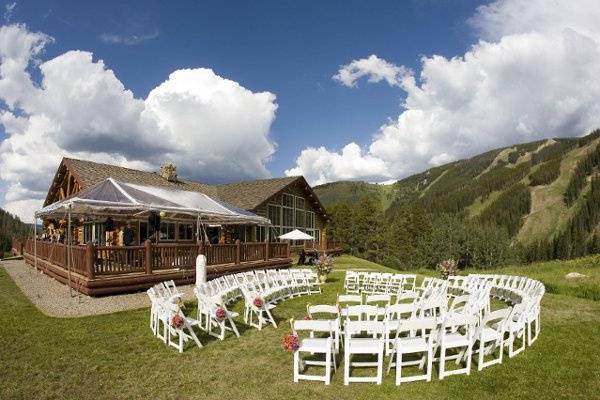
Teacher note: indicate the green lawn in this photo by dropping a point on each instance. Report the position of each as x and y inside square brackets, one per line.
[115, 356]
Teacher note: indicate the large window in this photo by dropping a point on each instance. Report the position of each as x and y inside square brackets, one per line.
[275, 214]
[95, 232]
[167, 231]
[300, 219]
[261, 234]
[289, 215]
[186, 231]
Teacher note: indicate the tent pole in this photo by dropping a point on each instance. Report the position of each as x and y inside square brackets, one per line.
[198, 228]
[67, 249]
[35, 240]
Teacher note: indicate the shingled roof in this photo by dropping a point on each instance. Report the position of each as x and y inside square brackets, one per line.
[250, 194]
[88, 173]
[246, 195]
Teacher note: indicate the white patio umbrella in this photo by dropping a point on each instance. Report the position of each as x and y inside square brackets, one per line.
[296, 235]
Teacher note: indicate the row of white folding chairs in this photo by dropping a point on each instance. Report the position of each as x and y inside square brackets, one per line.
[521, 290]
[165, 304]
[508, 288]
[378, 282]
[301, 281]
[270, 286]
[396, 336]
[511, 289]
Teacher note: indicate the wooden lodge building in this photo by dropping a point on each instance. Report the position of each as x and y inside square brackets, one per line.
[96, 262]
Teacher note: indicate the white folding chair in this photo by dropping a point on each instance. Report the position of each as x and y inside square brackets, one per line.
[414, 336]
[490, 335]
[456, 334]
[394, 314]
[371, 345]
[177, 336]
[315, 345]
[328, 313]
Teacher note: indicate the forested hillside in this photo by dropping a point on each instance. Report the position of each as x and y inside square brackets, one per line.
[532, 201]
[10, 226]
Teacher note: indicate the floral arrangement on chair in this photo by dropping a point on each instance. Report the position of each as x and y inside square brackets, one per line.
[258, 302]
[291, 342]
[177, 321]
[307, 317]
[447, 268]
[220, 314]
[324, 265]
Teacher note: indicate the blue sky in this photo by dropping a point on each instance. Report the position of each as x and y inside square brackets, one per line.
[286, 47]
[228, 91]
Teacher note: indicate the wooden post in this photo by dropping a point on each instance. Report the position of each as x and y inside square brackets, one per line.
[267, 250]
[237, 251]
[21, 247]
[89, 260]
[288, 249]
[148, 249]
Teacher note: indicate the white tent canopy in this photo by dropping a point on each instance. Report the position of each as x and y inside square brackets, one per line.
[111, 197]
[296, 235]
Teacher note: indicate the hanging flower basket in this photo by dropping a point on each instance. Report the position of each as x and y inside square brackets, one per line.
[291, 342]
[220, 314]
[177, 321]
[258, 302]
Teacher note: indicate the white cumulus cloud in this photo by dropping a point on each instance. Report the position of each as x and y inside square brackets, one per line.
[212, 128]
[372, 67]
[532, 75]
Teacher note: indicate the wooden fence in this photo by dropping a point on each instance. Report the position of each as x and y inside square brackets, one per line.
[98, 261]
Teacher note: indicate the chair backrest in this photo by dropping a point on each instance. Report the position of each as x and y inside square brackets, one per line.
[424, 327]
[453, 322]
[369, 312]
[399, 311]
[357, 327]
[407, 297]
[322, 309]
[349, 298]
[314, 325]
[500, 315]
[378, 298]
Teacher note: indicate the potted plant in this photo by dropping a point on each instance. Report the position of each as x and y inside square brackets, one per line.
[324, 265]
[447, 268]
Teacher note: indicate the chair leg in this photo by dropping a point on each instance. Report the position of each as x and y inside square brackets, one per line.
[429, 364]
[442, 361]
[398, 368]
[380, 366]
[328, 367]
[469, 356]
[481, 355]
[346, 368]
[296, 365]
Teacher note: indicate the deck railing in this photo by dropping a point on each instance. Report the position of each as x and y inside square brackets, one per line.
[321, 246]
[97, 261]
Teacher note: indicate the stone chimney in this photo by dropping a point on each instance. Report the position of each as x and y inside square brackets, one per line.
[169, 172]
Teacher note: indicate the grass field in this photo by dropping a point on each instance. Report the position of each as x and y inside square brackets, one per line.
[116, 357]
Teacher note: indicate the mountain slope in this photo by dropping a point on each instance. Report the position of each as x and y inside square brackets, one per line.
[535, 190]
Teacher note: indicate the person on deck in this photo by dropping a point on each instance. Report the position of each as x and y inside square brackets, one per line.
[128, 235]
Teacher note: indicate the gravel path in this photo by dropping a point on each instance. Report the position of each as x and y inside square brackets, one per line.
[53, 299]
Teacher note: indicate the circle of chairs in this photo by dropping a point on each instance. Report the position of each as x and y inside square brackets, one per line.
[446, 322]
[261, 290]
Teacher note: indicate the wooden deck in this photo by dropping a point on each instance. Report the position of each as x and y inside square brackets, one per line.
[102, 270]
[331, 247]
